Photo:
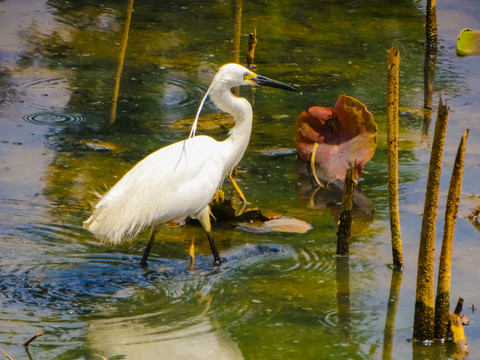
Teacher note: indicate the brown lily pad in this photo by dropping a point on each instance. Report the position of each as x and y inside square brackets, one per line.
[344, 134]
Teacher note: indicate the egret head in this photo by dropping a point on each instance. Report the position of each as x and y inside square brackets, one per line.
[232, 75]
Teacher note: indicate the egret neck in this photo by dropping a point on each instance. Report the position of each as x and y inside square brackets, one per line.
[236, 144]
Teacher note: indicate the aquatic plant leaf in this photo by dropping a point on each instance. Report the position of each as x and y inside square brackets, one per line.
[280, 224]
[288, 224]
[344, 134]
[468, 43]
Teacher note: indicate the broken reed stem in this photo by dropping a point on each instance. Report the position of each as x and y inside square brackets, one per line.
[32, 338]
[423, 323]
[442, 300]
[121, 58]
[345, 222]
[475, 213]
[458, 307]
[458, 333]
[252, 42]
[393, 62]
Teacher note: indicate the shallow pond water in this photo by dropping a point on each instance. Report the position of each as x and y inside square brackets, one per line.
[278, 295]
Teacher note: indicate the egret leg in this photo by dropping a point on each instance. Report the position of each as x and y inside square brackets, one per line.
[143, 262]
[237, 189]
[204, 218]
[216, 258]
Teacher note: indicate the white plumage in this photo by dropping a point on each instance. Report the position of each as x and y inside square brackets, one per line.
[180, 180]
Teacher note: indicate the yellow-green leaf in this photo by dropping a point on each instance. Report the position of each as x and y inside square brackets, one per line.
[468, 43]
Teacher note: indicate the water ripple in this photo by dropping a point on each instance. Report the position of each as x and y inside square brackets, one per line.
[180, 96]
[313, 259]
[53, 118]
[75, 281]
[45, 94]
[361, 319]
[43, 91]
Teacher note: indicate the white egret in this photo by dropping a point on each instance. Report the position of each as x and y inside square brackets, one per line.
[180, 180]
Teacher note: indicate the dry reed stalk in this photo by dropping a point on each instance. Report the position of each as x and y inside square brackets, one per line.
[393, 62]
[345, 221]
[423, 323]
[442, 300]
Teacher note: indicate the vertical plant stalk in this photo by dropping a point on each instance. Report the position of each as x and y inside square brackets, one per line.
[442, 300]
[121, 58]
[431, 23]
[430, 61]
[343, 299]
[237, 6]
[345, 222]
[393, 297]
[423, 323]
[429, 74]
[252, 42]
[393, 62]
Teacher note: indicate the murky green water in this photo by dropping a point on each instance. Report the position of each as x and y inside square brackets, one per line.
[279, 296]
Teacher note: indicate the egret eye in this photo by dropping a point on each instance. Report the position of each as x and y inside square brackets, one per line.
[245, 76]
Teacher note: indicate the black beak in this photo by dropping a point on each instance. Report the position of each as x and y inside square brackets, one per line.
[264, 81]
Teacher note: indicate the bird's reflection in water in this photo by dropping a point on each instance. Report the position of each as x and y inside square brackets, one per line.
[134, 338]
[170, 315]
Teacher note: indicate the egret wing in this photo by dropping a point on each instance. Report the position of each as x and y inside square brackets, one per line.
[170, 184]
